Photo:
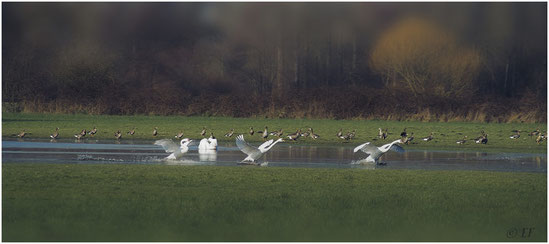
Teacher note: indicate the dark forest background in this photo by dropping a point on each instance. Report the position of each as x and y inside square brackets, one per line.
[398, 61]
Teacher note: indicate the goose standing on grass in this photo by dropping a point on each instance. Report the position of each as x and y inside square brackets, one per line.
[534, 133]
[382, 134]
[208, 144]
[295, 136]
[409, 138]
[92, 132]
[78, 136]
[312, 134]
[179, 135]
[276, 133]
[118, 135]
[540, 138]
[265, 134]
[403, 134]
[374, 153]
[131, 132]
[462, 141]
[304, 134]
[252, 152]
[339, 133]
[55, 134]
[203, 132]
[155, 131]
[251, 131]
[22, 134]
[171, 147]
[83, 132]
[428, 138]
[484, 139]
[230, 133]
[352, 134]
[346, 137]
[515, 136]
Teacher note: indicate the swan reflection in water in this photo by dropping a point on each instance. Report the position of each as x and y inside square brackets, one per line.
[207, 155]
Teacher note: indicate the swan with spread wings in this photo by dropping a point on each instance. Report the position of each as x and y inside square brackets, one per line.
[253, 152]
[171, 147]
[376, 152]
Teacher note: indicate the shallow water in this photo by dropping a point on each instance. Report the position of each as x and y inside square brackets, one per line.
[282, 155]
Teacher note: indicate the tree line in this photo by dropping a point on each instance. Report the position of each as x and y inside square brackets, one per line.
[420, 61]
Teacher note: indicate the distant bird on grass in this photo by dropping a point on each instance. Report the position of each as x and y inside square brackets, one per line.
[155, 131]
[22, 134]
[515, 136]
[382, 134]
[312, 134]
[78, 136]
[352, 134]
[265, 133]
[428, 138]
[55, 134]
[179, 135]
[83, 132]
[295, 136]
[534, 133]
[230, 133]
[118, 135]
[203, 132]
[403, 134]
[409, 138]
[92, 132]
[251, 131]
[374, 152]
[339, 133]
[170, 147]
[540, 138]
[131, 132]
[462, 141]
[252, 152]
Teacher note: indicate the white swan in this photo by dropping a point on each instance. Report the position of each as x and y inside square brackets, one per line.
[252, 152]
[171, 147]
[207, 144]
[376, 152]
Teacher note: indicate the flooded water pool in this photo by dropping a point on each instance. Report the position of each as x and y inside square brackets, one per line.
[282, 155]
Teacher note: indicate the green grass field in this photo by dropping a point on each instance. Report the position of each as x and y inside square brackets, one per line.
[42, 125]
[206, 203]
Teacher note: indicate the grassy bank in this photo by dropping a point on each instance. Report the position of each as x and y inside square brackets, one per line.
[178, 203]
[445, 133]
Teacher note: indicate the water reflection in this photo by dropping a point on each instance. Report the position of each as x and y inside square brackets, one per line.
[283, 155]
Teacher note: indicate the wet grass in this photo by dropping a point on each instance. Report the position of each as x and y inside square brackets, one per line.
[446, 134]
[204, 203]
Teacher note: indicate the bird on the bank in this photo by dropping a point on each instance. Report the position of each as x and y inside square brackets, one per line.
[251, 131]
[83, 132]
[92, 132]
[203, 132]
[305, 134]
[155, 131]
[409, 139]
[540, 138]
[22, 134]
[118, 135]
[312, 134]
[207, 144]
[403, 134]
[170, 147]
[55, 134]
[340, 133]
[179, 135]
[462, 141]
[534, 133]
[265, 133]
[295, 136]
[276, 133]
[374, 152]
[428, 138]
[78, 136]
[382, 134]
[230, 133]
[346, 137]
[131, 132]
[352, 134]
[253, 152]
[515, 136]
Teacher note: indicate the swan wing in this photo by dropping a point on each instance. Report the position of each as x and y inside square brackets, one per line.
[367, 148]
[397, 148]
[168, 145]
[244, 146]
[265, 145]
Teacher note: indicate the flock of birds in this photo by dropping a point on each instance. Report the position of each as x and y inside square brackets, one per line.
[209, 144]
